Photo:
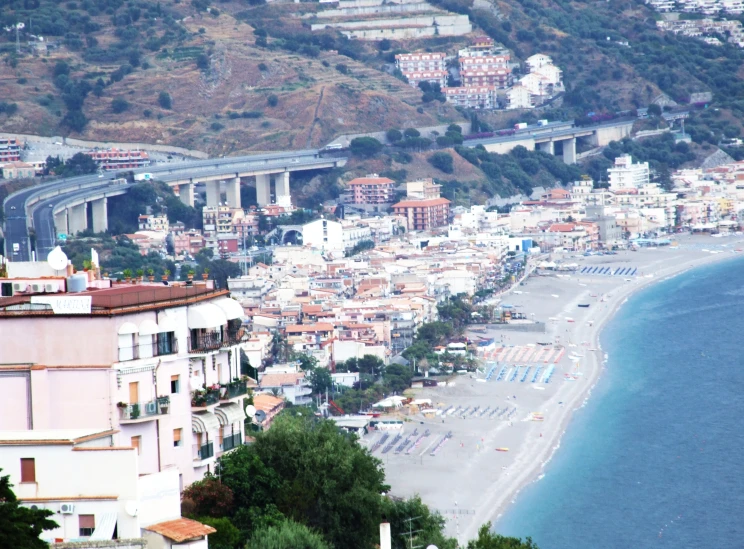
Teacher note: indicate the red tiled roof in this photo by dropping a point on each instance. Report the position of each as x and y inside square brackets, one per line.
[181, 529]
[562, 227]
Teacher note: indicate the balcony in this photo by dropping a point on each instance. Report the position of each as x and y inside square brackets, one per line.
[234, 337]
[205, 397]
[144, 410]
[231, 442]
[203, 451]
[201, 343]
[233, 389]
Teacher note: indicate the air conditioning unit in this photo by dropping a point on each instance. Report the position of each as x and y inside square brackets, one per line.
[151, 408]
[67, 508]
[37, 288]
[51, 288]
[19, 287]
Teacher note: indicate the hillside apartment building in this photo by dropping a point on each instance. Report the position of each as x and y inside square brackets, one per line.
[420, 67]
[115, 159]
[372, 189]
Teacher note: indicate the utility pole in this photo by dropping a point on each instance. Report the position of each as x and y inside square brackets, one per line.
[411, 532]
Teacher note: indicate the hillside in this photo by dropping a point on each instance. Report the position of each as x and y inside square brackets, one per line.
[219, 82]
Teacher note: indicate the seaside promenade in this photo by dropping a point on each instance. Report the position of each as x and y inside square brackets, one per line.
[499, 427]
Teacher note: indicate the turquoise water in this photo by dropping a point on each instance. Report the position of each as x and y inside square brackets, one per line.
[655, 457]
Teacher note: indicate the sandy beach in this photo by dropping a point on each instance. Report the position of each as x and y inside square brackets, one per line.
[460, 467]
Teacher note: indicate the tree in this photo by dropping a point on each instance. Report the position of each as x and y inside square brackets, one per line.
[164, 100]
[119, 105]
[488, 540]
[442, 161]
[207, 498]
[286, 535]
[53, 165]
[320, 379]
[308, 471]
[365, 147]
[397, 377]
[394, 135]
[80, 164]
[412, 132]
[654, 110]
[307, 362]
[272, 100]
[427, 526]
[227, 535]
[20, 527]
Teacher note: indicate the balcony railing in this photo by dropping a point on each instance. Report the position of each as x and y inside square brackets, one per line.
[233, 389]
[204, 451]
[210, 341]
[232, 441]
[204, 397]
[143, 410]
[234, 337]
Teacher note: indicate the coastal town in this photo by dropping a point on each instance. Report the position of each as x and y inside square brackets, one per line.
[437, 333]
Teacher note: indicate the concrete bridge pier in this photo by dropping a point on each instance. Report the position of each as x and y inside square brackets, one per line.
[77, 218]
[60, 222]
[186, 193]
[99, 209]
[263, 189]
[213, 193]
[569, 151]
[548, 147]
[283, 197]
[232, 192]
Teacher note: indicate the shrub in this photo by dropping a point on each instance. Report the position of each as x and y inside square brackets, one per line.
[164, 100]
[272, 100]
[343, 69]
[394, 135]
[442, 161]
[411, 132]
[216, 126]
[262, 67]
[119, 105]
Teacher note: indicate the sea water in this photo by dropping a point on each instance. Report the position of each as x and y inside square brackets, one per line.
[656, 457]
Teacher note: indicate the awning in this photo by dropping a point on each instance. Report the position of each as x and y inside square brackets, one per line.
[148, 327]
[205, 316]
[166, 323]
[203, 422]
[128, 328]
[231, 308]
[105, 524]
[230, 413]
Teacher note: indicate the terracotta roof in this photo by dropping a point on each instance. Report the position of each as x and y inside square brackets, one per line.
[304, 328]
[369, 181]
[181, 529]
[562, 227]
[421, 203]
[266, 402]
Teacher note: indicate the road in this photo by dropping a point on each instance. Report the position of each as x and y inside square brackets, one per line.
[42, 218]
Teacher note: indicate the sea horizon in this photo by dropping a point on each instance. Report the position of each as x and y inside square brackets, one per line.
[647, 457]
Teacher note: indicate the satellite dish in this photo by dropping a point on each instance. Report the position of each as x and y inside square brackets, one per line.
[57, 259]
[250, 410]
[131, 507]
[21, 25]
[260, 416]
[432, 547]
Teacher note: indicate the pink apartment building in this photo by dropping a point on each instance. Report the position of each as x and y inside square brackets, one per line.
[372, 189]
[156, 366]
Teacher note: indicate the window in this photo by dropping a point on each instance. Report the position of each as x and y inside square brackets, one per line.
[28, 470]
[175, 384]
[165, 343]
[87, 524]
[134, 392]
[137, 443]
[176, 437]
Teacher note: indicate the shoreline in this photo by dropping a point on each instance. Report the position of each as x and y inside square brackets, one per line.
[469, 483]
[598, 365]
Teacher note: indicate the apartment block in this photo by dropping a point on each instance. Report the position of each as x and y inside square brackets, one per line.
[10, 150]
[115, 159]
[472, 97]
[500, 78]
[433, 77]
[420, 62]
[424, 214]
[372, 189]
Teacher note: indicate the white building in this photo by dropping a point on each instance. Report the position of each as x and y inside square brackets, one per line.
[626, 175]
[519, 97]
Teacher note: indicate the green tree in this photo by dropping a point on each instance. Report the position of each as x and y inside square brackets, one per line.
[119, 105]
[286, 535]
[20, 527]
[397, 378]
[442, 161]
[272, 100]
[320, 379]
[394, 135]
[365, 147]
[654, 110]
[488, 540]
[80, 164]
[164, 100]
[227, 535]
[426, 525]
[308, 471]
[307, 362]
